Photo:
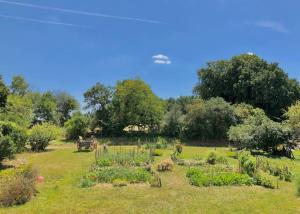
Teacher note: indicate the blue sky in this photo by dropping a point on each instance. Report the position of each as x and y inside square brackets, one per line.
[69, 45]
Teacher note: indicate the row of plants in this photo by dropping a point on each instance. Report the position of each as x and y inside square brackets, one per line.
[122, 167]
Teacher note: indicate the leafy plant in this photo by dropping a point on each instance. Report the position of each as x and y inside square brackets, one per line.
[41, 135]
[212, 157]
[157, 152]
[199, 178]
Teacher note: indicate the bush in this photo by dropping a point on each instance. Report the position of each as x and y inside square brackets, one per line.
[165, 165]
[199, 178]
[7, 148]
[260, 132]
[265, 180]
[41, 135]
[209, 119]
[179, 148]
[17, 134]
[76, 126]
[19, 187]
[157, 152]
[212, 157]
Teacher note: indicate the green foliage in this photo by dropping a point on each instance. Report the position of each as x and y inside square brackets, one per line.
[109, 174]
[249, 79]
[173, 122]
[4, 92]
[179, 148]
[259, 132]
[273, 168]
[7, 148]
[119, 183]
[19, 109]
[123, 158]
[198, 178]
[45, 108]
[76, 126]
[293, 116]
[66, 104]
[42, 134]
[265, 180]
[209, 119]
[135, 104]
[98, 99]
[12, 139]
[157, 152]
[19, 86]
[18, 187]
[214, 158]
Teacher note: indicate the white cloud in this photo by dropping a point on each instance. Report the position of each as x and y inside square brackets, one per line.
[272, 25]
[250, 53]
[161, 59]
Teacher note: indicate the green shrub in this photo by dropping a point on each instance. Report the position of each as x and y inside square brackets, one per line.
[12, 139]
[41, 135]
[76, 126]
[263, 179]
[119, 183]
[7, 147]
[221, 160]
[157, 152]
[260, 132]
[18, 187]
[165, 165]
[86, 183]
[212, 157]
[179, 148]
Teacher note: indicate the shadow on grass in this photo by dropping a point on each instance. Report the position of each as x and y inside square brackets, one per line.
[83, 151]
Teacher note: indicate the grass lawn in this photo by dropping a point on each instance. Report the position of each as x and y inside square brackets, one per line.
[61, 193]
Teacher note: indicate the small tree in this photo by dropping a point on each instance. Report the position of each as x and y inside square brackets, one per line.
[76, 126]
[260, 132]
[41, 135]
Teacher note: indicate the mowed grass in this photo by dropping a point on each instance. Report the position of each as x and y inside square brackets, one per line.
[61, 193]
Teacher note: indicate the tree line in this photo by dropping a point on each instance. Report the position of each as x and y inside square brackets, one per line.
[246, 100]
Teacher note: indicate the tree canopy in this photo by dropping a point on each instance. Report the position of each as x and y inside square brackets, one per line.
[4, 92]
[249, 79]
[134, 103]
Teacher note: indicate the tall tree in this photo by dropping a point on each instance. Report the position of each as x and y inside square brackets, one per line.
[98, 99]
[19, 109]
[45, 108]
[4, 92]
[66, 104]
[249, 79]
[134, 103]
[19, 86]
